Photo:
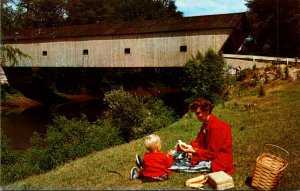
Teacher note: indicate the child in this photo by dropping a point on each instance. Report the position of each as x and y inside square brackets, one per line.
[155, 165]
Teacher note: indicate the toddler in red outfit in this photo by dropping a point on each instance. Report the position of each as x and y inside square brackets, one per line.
[155, 164]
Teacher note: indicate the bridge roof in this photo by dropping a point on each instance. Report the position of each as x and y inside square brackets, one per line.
[207, 22]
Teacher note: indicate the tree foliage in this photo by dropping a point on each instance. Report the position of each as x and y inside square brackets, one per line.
[7, 14]
[52, 13]
[276, 27]
[11, 55]
[87, 12]
[136, 116]
[205, 76]
[41, 13]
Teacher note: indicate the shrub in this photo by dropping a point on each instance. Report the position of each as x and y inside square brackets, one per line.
[243, 74]
[8, 93]
[66, 139]
[71, 138]
[37, 156]
[136, 116]
[8, 154]
[205, 76]
[9, 158]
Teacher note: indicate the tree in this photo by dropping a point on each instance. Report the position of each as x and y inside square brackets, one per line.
[276, 27]
[135, 116]
[205, 76]
[145, 9]
[41, 13]
[87, 12]
[53, 13]
[8, 15]
[11, 54]
[91, 11]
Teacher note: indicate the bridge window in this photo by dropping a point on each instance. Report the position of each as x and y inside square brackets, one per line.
[44, 53]
[127, 51]
[183, 48]
[85, 52]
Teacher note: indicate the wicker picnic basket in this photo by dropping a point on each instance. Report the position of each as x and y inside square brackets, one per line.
[268, 170]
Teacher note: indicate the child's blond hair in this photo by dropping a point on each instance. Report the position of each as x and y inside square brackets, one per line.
[152, 142]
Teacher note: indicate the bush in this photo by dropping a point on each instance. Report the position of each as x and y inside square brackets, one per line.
[9, 158]
[243, 74]
[66, 139]
[8, 93]
[205, 76]
[14, 164]
[8, 154]
[71, 138]
[136, 116]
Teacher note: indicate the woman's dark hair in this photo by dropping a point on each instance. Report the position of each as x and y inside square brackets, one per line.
[203, 104]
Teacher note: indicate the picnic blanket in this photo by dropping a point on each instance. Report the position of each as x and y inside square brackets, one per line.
[181, 163]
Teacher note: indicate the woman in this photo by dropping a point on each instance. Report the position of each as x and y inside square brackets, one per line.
[214, 142]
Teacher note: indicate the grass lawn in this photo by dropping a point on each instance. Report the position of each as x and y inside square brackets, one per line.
[273, 118]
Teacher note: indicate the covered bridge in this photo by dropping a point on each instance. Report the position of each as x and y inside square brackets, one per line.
[151, 43]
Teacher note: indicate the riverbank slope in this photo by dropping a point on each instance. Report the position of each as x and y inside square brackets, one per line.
[273, 118]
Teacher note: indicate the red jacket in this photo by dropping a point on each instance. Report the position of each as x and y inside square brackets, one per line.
[156, 164]
[214, 143]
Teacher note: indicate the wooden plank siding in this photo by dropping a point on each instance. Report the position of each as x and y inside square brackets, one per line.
[148, 50]
[107, 49]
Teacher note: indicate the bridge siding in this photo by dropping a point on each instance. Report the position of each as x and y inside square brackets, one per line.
[146, 50]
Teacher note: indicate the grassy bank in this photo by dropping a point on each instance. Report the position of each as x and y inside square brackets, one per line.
[273, 118]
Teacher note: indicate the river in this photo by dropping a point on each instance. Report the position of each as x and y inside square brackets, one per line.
[19, 126]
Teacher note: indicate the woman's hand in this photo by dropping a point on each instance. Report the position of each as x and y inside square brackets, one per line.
[181, 146]
[188, 149]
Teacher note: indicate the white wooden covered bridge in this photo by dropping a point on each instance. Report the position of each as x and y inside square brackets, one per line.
[153, 43]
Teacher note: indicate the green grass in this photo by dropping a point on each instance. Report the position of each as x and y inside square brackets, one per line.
[274, 119]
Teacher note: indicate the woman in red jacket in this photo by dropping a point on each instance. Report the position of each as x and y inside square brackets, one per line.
[214, 142]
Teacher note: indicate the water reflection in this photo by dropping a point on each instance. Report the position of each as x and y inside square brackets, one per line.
[19, 126]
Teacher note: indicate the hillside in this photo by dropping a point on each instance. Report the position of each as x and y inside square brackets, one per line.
[273, 118]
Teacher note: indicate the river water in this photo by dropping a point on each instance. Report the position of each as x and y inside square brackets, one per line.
[19, 126]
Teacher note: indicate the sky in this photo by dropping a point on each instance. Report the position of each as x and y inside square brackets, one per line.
[210, 7]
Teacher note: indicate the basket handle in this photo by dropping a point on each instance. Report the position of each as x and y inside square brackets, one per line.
[279, 148]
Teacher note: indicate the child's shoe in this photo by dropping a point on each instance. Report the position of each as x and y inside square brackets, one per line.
[134, 173]
[138, 161]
